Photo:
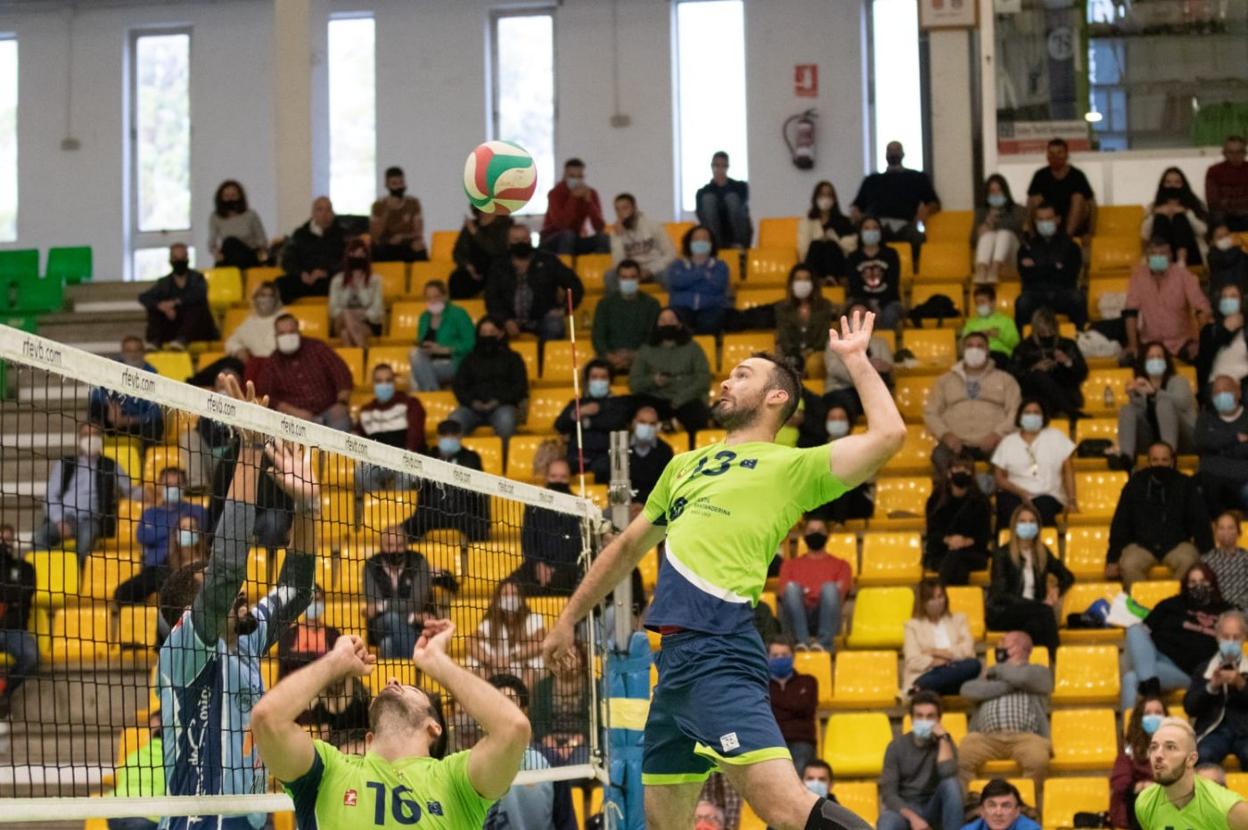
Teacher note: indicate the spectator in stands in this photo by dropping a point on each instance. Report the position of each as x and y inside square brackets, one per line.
[356, 304]
[601, 413]
[1002, 333]
[959, 524]
[899, 197]
[817, 776]
[671, 374]
[1133, 772]
[919, 784]
[708, 816]
[1226, 185]
[1158, 517]
[1011, 715]
[998, 227]
[550, 541]
[1213, 772]
[875, 275]
[638, 239]
[803, 317]
[1033, 467]
[255, 336]
[444, 336]
[698, 281]
[484, 239]
[443, 507]
[1000, 808]
[398, 595]
[121, 414]
[308, 639]
[859, 502]
[1177, 215]
[1028, 581]
[1162, 298]
[1229, 560]
[938, 650]
[177, 305]
[624, 318]
[570, 206]
[525, 291]
[509, 638]
[838, 388]
[813, 589]
[826, 236]
[1156, 395]
[82, 494]
[8, 536]
[1228, 263]
[1222, 441]
[169, 533]
[312, 253]
[1224, 340]
[17, 643]
[306, 378]
[971, 407]
[1049, 263]
[491, 383]
[648, 454]
[396, 224]
[561, 705]
[394, 418]
[236, 235]
[1217, 701]
[1175, 638]
[794, 701]
[723, 206]
[1050, 367]
[1065, 187]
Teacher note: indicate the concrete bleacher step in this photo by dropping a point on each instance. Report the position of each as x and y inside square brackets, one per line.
[100, 331]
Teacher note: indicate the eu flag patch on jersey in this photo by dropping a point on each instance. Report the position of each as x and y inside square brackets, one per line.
[434, 808]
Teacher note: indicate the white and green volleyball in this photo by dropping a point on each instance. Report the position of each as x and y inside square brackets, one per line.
[499, 177]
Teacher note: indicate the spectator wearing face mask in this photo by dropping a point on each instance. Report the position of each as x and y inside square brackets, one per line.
[236, 236]
[491, 383]
[484, 239]
[1156, 395]
[509, 638]
[817, 776]
[1227, 261]
[1222, 442]
[167, 544]
[826, 236]
[1133, 771]
[648, 454]
[972, 406]
[444, 337]
[550, 541]
[698, 281]
[1177, 215]
[813, 589]
[938, 650]
[1033, 467]
[121, 414]
[724, 206]
[624, 318]
[858, 503]
[574, 223]
[1050, 367]
[394, 418]
[919, 784]
[1224, 340]
[794, 701]
[1217, 700]
[875, 275]
[443, 507]
[900, 197]
[959, 524]
[356, 306]
[305, 378]
[1028, 581]
[398, 595]
[1162, 298]
[1001, 331]
[1049, 263]
[527, 290]
[396, 223]
[671, 373]
[308, 639]
[838, 386]
[177, 305]
[255, 336]
[995, 233]
[601, 413]
[803, 317]
[638, 239]
[1228, 560]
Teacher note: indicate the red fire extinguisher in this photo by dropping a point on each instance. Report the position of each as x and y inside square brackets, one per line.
[799, 135]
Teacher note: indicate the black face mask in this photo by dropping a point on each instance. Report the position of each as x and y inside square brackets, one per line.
[179, 266]
[893, 161]
[398, 192]
[816, 541]
[235, 205]
[357, 263]
[559, 486]
[521, 250]
[670, 332]
[962, 479]
[1171, 194]
[630, 222]
[1200, 594]
[489, 344]
[1003, 654]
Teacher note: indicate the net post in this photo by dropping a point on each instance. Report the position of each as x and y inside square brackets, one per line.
[620, 495]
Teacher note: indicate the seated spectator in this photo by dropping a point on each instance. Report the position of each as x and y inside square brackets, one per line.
[838, 387]
[1216, 701]
[399, 595]
[308, 639]
[971, 407]
[177, 305]
[1011, 718]
[1162, 298]
[491, 383]
[698, 281]
[826, 236]
[560, 713]
[451, 508]
[1175, 638]
[707, 815]
[1002, 333]
[1213, 772]
[550, 541]
[817, 776]
[1159, 515]
[339, 716]
[255, 336]
[236, 235]
[1133, 770]
[141, 775]
[858, 503]
[525, 290]
[671, 374]
[959, 524]
[875, 275]
[356, 304]
[723, 206]
[1228, 262]
[803, 318]
[601, 413]
[1224, 341]
[1177, 215]
[1156, 396]
[938, 650]
[899, 197]
[485, 238]
[1000, 808]
[1051, 368]
[1228, 560]
[1222, 441]
[444, 336]
[509, 638]
[813, 589]
[1065, 187]
[640, 240]
[396, 224]
[1033, 467]
[1049, 264]
[170, 534]
[1226, 185]
[624, 318]
[305, 378]
[571, 205]
[394, 418]
[794, 701]
[998, 227]
[1028, 581]
[919, 784]
[82, 496]
[312, 253]
[648, 454]
[121, 414]
[17, 642]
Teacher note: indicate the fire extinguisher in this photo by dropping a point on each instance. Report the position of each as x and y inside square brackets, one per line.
[799, 134]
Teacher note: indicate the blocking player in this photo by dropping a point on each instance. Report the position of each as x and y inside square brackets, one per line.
[724, 510]
[1180, 799]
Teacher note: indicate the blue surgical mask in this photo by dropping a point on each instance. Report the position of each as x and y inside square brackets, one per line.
[837, 427]
[1031, 422]
[819, 788]
[173, 493]
[870, 236]
[448, 445]
[1027, 530]
[1151, 723]
[1046, 227]
[1158, 262]
[645, 432]
[574, 182]
[628, 287]
[383, 391]
[316, 610]
[1224, 402]
[1228, 306]
[700, 247]
[599, 388]
[923, 729]
[1155, 366]
[780, 667]
[187, 538]
[1230, 649]
[996, 200]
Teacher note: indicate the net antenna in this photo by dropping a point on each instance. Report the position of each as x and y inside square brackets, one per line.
[576, 396]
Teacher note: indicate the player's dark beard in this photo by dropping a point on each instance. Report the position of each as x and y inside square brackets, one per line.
[734, 419]
[1166, 780]
[247, 623]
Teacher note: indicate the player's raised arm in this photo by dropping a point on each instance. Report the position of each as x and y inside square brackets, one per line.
[294, 473]
[855, 458]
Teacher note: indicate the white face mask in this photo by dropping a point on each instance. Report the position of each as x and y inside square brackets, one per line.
[315, 610]
[975, 357]
[436, 306]
[288, 343]
[92, 446]
[1224, 243]
[825, 203]
[802, 288]
[510, 603]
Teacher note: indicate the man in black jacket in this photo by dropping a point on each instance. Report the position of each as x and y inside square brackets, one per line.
[399, 595]
[648, 455]
[1049, 263]
[525, 290]
[1160, 517]
[491, 383]
[17, 588]
[1222, 441]
[550, 542]
[312, 254]
[177, 305]
[1217, 700]
[443, 507]
[601, 414]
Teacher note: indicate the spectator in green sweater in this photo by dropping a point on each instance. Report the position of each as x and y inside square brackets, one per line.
[444, 334]
[141, 775]
[1002, 333]
[671, 373]
[624, 318]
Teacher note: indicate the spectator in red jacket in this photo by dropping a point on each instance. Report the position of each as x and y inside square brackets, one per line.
[305, 378]
[794, 699]
[394, 418]
[1226, 185]
[813, 588]
[569, 206]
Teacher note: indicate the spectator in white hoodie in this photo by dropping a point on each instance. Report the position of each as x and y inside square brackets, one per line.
[637, 238]
[255, 336]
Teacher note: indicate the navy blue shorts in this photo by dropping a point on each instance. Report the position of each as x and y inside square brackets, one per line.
[712, 706]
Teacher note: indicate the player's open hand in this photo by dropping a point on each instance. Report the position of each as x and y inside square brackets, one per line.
[241, 393]
[433, 642]
[557, 647]
[294, 472]
[854, 336]
[351, 653]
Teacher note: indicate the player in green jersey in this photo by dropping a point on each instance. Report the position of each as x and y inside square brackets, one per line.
[723, 510]
[1180, 799]
[398, 783]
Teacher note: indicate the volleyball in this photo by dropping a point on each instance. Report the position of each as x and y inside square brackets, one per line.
[499, 177]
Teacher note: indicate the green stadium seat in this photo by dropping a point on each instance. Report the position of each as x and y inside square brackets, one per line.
[70, 265]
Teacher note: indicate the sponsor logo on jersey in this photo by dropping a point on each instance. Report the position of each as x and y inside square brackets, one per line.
[729, 741]
[349, 798]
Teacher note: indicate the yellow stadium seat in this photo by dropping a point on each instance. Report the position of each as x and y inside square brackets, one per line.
[421, 274]
[521, 450]
[945, 261]
[749, 820]
[1237, 782]
[911, 391]
[56, 577]
[1114, 255]
[591, 268]
[817, 664]
[969, 600]
[405, 321]
[770, 265]
[1100, 286]
[860, 797]
[337, 471]
[755, 297]
[732, 258]
[1086, 428]
[935, 349]
[1098, 380]
[1086, 548]
[387, 508]
[1039, 656]
[676, 232]
[438, 407]
[1025, 786]
[778, 232]
[706, 437]
[923, 292]
[1086, 674]
[1098, 495]
[234, 318]
[1119, 220]
[173, 365]
[949, 226]
[1083, 739]
[101, 576]
[879, 616]
[914, 455]
[901, 502]
[1149, 593]
[738, 347]
[80, 634]
[864, 679]
[528, 351]
[136, 625]
[442, 245]
[906, 257]
[492, 563]
[557, 364]
[490, 448]
[474, 308]
[313, 320]
[225, 288]
[354, 358]
[545, 406]
[890, 558]
[396, 357]
[649, 569]
[1007, 294]
[854, 743]
[1083, 594]
[255, 277]
[1063, 797]
[338, 575]
[157, 459]
[710, 348]
[393, 279]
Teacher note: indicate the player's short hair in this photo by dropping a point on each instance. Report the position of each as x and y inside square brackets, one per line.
[924, 696]
[179, 591]
[784, 378]
[1181, 725]
[998, 787]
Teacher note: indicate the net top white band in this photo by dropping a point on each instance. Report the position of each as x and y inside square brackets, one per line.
[83, 367]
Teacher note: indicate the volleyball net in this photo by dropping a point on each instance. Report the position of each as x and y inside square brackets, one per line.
[169, 552]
